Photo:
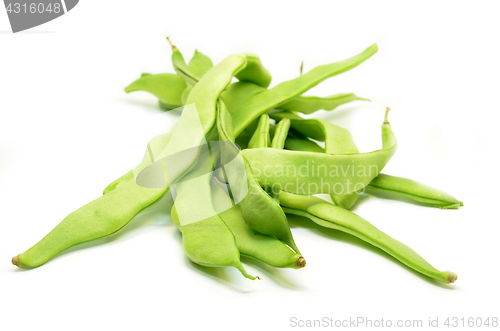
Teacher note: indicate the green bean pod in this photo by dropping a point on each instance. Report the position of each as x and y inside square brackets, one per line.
[168, 88]
[250, 243]
[337, 141]
[414, 190]
[280, 134]
[261, 137]
[206, 239]
[311, 104]
[325, 173]
[334, 217]
[260, 211]
[260, 103]
[98, 219]
[181, 68]
[199, 64]
[255, 72]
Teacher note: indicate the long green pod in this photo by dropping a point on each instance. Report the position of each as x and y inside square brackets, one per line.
[168, 88]
[311, 104]
[100, 218]
[334, 217]
[261, 137]
[414, 190]
[249, 242]
[260, 211]
[315, 173]
[206, 239]
[284, 92]
[280, 134]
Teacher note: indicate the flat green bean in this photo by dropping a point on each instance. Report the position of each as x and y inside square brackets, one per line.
[333, 217]
[199, 64]
[260, 103]
[414, 190]
[311, 104]
[260, 211]
[206, 239]
[261, 137]
[324, 173]
[98, 219]
[255, 72]
[250, 243]
[168, 88]
[181, 68]
[280, 134]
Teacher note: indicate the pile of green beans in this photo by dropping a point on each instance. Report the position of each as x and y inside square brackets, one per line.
[225, 212]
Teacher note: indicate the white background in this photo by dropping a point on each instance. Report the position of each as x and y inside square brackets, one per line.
[67, 129]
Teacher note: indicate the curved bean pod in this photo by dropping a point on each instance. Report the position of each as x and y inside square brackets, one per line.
[181, 68]
[250, 243]
[311, 104]
[255, 72]
[414, 190]
[267, 100]
[325, 173]
[168, 88]
[260, 211]
[280, 134]
[98, 219]
[261, 137]
[199, 64]
[333, 217]
[206, 239]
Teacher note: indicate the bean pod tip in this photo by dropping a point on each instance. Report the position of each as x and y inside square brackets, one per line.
[15, 260]
[301, 262]
[452, 277]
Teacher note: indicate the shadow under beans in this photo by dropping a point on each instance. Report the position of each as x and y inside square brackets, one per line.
[303, 222]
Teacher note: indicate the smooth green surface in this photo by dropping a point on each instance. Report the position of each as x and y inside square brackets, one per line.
[315, 173]
[334, 217]
[100, 218]
[414, 190]
[261, 137]
[206, 239]
[249, 242]
[311, 104]
[284, 92]
[280, 134]
[199, 64]
[260, 211]
[168, 88]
